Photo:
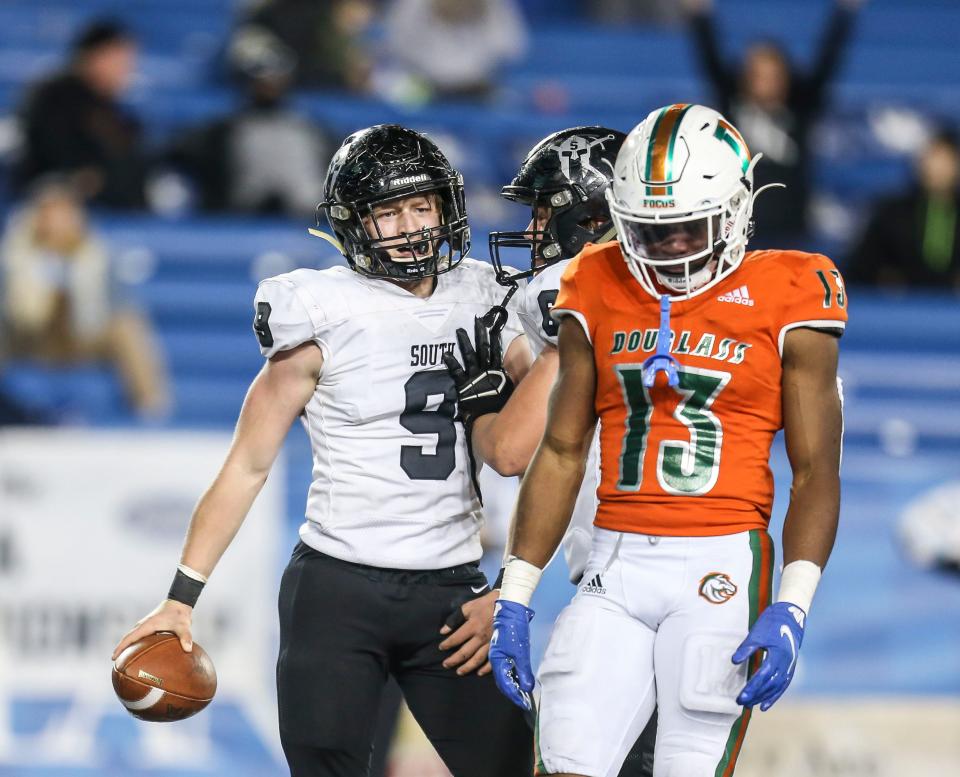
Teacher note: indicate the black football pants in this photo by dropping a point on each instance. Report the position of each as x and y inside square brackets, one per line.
[343, 629]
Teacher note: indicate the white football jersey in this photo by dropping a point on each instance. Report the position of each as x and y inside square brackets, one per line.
[541, 330]
[391, 476]
[539, 294]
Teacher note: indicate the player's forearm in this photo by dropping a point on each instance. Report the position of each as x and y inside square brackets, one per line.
[808, 533]
[219, 515]
[507, 440]
[813, 515]
[546, 501]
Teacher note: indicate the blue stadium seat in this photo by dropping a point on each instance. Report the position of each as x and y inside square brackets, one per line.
[87, 393]
[214, 354]
[209, 402]
[216, 305]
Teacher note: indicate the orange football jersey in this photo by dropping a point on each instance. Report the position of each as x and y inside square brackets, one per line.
[693, 459]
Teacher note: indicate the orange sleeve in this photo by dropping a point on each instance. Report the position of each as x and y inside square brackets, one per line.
[815, 297]
[572, 299]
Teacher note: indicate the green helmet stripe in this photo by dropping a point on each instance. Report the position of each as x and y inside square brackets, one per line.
[648, 173]
[732, 138]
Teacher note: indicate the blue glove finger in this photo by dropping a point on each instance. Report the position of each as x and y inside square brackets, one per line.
[755, 687]
[747, 648]
[527, 701]
[503, 673]
[524, 673]
[773, 697]
[776, 689]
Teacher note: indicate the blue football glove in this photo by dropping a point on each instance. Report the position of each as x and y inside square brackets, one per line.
[510, 652]
[779, 632]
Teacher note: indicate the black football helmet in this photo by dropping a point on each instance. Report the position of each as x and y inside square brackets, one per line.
[567, 172]
[388, 162]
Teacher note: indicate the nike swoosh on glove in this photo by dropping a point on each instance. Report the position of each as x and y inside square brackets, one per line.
[779, 632]
[510, 652]
[481, 382]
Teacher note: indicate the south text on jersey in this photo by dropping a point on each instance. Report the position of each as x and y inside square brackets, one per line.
[429, 354]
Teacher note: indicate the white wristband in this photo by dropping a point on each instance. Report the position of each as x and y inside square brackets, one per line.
[192, 573]
[520, 579]
[798, 583]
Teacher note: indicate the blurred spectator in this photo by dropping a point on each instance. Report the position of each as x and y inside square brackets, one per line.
[930, 528]
[58, 302]
[913, 239]
[454, 48]
[73, 122]
[266, 158]
[323, 36]
[775, 107]
[627, 11]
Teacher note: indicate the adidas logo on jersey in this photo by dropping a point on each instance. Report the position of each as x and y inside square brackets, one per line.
[595, 586]
[738, 296]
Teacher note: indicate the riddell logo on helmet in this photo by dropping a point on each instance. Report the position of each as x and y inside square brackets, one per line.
[408, 179]
[659, 203]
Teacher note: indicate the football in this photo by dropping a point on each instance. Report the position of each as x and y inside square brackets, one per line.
[156, 680]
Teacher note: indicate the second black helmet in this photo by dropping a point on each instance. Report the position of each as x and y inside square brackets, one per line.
[563, 180]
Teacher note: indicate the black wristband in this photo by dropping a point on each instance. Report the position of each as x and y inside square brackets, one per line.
[185, 589]
[498, 583]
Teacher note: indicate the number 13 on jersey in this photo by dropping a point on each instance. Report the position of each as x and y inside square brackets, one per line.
[684, 467]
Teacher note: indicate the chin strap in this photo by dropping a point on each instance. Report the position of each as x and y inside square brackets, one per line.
[749, 186]
[610, 234]
[768, 186]
[662, 361]
[329, 238]
[503, 303]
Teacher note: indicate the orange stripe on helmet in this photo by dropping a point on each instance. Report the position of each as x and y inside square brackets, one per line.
[660, 158]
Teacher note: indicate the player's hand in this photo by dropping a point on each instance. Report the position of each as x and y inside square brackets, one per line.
[470, 627]
[483, 386]
[779, 632]
[510, 652]
[170, 616]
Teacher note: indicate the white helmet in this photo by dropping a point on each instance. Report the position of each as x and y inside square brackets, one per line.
[681, 199]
